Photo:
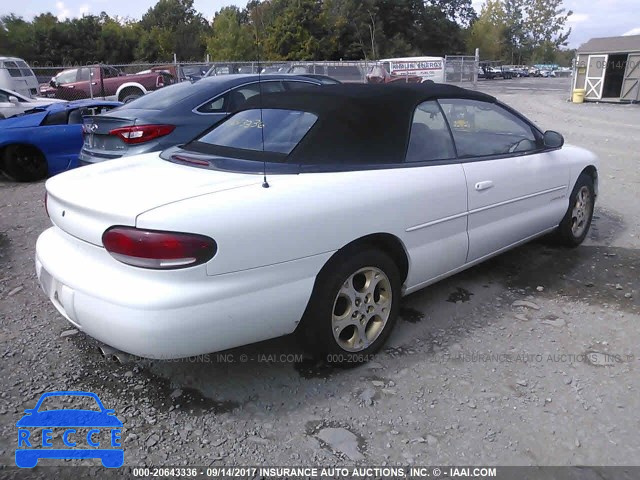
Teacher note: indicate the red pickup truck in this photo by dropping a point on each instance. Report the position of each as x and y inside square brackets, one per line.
[103, 82]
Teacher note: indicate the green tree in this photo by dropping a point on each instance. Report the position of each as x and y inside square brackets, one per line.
[488, 32]
[299, 33]
[178, 26]
[231, 39]
[545, 25]
[16, 35]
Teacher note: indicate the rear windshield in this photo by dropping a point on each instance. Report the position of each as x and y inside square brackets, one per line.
[282, 130]
[162, 98]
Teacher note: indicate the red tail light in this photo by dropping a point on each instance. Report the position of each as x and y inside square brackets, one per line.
[156, 249]
[160, 81]
[142, 133]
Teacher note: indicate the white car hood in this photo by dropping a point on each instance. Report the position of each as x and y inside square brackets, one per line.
[86, 201]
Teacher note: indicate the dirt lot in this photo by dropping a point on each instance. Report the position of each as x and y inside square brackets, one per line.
[468, 376]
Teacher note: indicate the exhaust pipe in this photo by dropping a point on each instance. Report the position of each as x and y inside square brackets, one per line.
[114, 355]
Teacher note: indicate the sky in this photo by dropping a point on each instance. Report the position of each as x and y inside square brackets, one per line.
[591, 18]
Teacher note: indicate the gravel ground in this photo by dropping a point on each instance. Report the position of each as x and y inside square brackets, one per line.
[528, 359]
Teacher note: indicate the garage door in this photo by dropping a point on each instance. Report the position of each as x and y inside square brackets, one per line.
[596, 68]
[631, 84]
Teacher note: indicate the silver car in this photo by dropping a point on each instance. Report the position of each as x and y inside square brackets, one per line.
[175, 114]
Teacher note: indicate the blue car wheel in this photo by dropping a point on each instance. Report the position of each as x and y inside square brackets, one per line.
[24, 163]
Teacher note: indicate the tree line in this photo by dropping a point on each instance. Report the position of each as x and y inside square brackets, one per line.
[515, 31]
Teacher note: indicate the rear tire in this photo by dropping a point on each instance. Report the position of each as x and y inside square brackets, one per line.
[24, 163]
[575, 225]
[353, 307]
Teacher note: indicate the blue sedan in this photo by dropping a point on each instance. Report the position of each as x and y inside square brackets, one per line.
[46, 140]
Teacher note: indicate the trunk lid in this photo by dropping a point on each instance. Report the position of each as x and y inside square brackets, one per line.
[86, 201]
[96, 133]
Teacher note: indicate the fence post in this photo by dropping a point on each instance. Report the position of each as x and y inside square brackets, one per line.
[476, 65]
[91, 81]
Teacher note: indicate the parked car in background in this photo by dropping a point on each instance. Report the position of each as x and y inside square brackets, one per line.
[45, 140]
[278, 68]
[345, 73]
[485, 72]
[103, 82]
[181, 72]
[17, 76]
[185, 252]
[324, 79]
[175, 114]
[13, 103]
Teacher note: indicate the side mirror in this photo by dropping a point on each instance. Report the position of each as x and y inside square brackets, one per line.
[13, 99]
[53, 83]
[553, 139]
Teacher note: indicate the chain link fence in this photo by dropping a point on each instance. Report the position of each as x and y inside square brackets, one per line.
[461, 68]
[123, 82]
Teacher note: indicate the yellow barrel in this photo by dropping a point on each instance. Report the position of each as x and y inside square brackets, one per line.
[578, 95]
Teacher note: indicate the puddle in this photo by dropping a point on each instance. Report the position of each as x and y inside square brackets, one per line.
[460, 295]
[411, 315]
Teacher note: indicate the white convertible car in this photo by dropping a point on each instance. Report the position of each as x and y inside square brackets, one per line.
[312, 211]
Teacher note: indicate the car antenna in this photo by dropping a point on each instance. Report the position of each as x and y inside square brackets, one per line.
[265, 183]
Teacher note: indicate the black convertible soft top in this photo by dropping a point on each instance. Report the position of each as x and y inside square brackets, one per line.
[358, 123]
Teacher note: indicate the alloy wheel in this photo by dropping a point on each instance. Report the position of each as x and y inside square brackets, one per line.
[361, 309]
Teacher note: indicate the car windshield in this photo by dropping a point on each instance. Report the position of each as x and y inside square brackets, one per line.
[67, 402]
[281, 130]
[163, 97]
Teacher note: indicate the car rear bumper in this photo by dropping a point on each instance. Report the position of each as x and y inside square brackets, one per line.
[170, 314]
[85, 158]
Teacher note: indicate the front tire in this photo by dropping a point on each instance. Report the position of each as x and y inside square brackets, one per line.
[575, 225]
[24, 163]
[353, 307]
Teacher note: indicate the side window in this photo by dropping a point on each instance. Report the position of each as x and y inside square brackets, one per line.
[56, 118]
[75, 117]
[234, 99]
[483, 128]
[4, 97]
[430, 138]
[83, 75]
[67, 77]
[14, 71]
[24, 68]
[109, 72]
[215, 105]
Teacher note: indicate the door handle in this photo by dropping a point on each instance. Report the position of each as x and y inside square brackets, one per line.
[94, 83]
[484, 185]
